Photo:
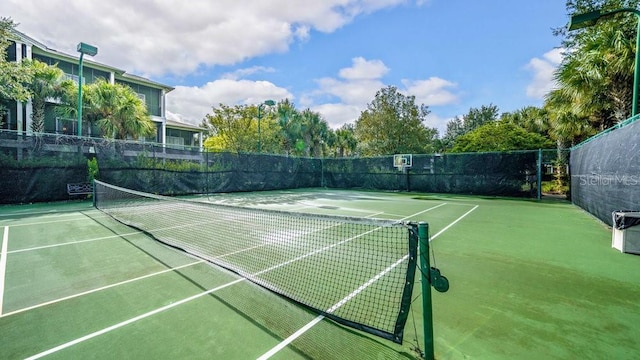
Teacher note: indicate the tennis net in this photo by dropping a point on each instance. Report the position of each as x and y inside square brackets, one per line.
[357, 272]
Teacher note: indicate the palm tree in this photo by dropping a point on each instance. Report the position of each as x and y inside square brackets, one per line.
[48, 82]
[345, 143]
[315, 131]
[118, 111]
[596, 77]
[289, 120]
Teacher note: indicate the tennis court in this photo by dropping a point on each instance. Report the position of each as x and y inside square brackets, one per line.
[529, 280]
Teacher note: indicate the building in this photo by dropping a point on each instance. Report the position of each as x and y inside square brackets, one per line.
[18, 116]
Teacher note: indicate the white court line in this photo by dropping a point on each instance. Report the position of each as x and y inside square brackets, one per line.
[145, 315]
[3, 264]
[99, 289]
[132, 320]
[45, 213]
[74, 242]
[313, 322]
[453, 223]
[83, 218]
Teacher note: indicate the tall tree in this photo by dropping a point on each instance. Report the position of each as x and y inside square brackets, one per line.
[13, 76]
[530, 118]
[118, 110]
[500, 136]
[315, 131]
[345, 142]
[392, 124]
[475, 118]
[455, 128]
[288, 119]
[595, 78]
[230, 129]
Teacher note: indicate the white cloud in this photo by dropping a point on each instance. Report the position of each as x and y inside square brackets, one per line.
[190, 104]
[432, 91]
[437, 122]
[152, 38]
[543, 70]
[363, 69]
[353, 90]
[359, 82]
[357, 86]
[240, 73]
[349, 92]
[337, 114]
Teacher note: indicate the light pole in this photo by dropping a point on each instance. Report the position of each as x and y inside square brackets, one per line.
[91, 51]
[268, 103]
[591, 18]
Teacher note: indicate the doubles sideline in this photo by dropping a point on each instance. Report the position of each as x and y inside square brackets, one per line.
[3, 264]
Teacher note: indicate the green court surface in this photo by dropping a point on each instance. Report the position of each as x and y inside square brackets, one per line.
[529, 280]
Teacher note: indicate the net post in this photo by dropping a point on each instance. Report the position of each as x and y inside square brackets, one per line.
[427, 310]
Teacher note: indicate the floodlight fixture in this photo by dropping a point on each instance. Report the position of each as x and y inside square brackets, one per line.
[87, 49]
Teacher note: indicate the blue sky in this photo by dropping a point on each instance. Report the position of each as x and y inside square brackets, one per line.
[331, 56]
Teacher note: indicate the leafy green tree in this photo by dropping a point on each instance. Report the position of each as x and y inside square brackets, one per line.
[230, 129]
[475, 118]
[13, 76]
[47, 82]
[500, 136]
[270, 131]
[455, 128]
[118, 110]
[392, 124]
[235, 128]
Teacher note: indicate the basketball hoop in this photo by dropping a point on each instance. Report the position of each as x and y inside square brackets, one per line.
[402, 162]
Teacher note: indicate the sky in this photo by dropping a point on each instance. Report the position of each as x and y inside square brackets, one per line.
[330, 56]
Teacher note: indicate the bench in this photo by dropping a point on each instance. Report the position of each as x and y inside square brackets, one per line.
[79, 189]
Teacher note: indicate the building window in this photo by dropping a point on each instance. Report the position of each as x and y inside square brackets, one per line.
[75, 78]
[174, 140]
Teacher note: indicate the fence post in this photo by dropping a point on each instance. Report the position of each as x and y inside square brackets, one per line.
[539, 170]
